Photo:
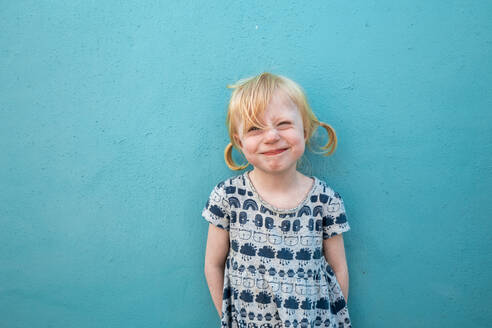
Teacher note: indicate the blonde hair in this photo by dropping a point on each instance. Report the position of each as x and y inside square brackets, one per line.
[249, 100]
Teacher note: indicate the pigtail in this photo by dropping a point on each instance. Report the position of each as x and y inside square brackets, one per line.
[230, 162]
[331, 144]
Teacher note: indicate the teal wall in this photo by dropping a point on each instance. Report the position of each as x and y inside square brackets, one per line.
[112, 135]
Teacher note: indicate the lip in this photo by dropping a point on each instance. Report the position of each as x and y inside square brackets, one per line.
[275, 151]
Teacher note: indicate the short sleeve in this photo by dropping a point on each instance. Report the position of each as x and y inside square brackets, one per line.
[335, 218]
[216, 210]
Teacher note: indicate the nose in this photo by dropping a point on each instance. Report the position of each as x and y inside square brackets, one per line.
[271, 135]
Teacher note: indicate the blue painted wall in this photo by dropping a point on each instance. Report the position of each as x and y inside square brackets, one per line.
[112, 135]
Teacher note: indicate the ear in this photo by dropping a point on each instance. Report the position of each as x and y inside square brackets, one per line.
[237, 140]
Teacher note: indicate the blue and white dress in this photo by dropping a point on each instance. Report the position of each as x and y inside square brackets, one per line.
[275, 272]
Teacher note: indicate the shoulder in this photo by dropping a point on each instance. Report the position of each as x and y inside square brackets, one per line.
[331, 202]
[230, 185]
[236, 180]
[326, 191]
[224, 190]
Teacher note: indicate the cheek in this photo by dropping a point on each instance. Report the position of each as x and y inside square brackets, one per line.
[296, 139]
[249, 154]
[300, 147]
[249, 146]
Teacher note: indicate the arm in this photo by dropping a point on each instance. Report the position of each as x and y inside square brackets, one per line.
[215, 256]
[334, 252]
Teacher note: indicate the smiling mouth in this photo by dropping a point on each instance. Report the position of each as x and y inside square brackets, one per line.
[275, 152]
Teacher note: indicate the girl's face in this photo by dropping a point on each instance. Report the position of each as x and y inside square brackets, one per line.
[277, 147]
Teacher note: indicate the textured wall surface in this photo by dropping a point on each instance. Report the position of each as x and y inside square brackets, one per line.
[112, 135]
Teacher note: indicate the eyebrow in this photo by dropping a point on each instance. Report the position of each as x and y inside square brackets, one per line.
[283, 117]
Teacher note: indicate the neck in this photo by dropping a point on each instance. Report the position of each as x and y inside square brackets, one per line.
[276, 182]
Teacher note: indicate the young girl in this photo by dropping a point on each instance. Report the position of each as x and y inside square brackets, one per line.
[275, 255]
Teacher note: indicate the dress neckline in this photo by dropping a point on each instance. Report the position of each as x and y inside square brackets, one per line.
[276, 209]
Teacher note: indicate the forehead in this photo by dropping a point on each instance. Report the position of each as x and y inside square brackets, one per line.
[280, 105]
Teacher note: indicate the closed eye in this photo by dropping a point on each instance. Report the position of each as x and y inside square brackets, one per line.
[284, 123]
[253, 128]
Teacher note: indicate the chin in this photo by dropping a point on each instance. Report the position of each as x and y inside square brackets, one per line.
[277, 168]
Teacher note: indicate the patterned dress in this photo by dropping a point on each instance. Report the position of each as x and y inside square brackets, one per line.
[275, 272]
